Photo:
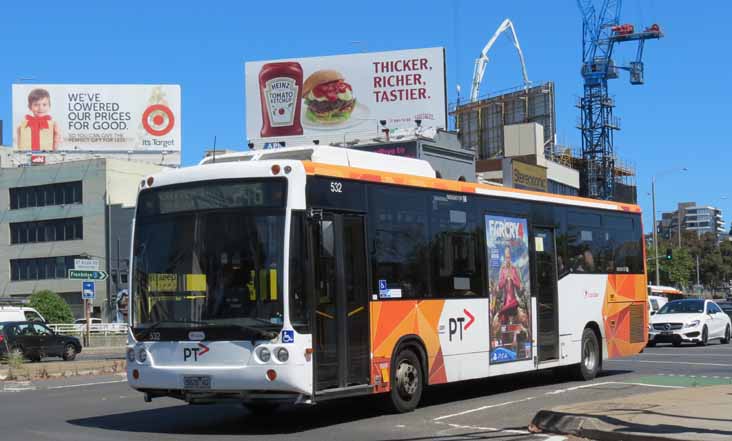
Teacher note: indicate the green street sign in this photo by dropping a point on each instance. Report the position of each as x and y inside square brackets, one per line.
[87, 275]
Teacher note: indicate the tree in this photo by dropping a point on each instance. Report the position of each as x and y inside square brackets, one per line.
[680, 268]
[51, 306]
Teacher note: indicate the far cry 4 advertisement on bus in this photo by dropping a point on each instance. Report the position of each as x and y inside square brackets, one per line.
[510, 288]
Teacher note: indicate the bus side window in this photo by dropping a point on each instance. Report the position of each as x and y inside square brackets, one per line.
[455, 247]
[585, 237]
[398, 230]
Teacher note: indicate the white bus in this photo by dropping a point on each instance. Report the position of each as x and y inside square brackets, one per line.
[309, 273]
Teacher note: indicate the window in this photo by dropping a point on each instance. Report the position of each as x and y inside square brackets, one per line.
[41, 268]
[399, 241]
[587, 243]
[32, 316]
[456, 270]
[42, 330]
[609, 244]
[45, 195]
[47, 230]
[625, 244]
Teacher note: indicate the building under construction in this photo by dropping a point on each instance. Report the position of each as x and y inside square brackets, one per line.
[481, 125]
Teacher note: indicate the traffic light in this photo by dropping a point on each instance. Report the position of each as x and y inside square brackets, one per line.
[669, 254]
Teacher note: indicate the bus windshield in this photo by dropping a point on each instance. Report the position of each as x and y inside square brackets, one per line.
[209, 257]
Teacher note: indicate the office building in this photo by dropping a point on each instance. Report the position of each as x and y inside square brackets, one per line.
[699, 219]
[51, 215]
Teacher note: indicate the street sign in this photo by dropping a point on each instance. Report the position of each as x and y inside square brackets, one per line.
[86, 264]
[87, 290]
[87, 275]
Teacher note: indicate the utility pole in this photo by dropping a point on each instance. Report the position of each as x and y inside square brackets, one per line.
[678, 211]
[655, 236]
[697, 271]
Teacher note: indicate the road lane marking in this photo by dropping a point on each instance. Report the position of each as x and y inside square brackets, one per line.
[67, 386]
[670, 362]
[682, 354]
[478, 409]
[606, 383]
[490, 429]
[554, 392]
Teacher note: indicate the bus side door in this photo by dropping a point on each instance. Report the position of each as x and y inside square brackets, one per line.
[341, 301]
[546, 290]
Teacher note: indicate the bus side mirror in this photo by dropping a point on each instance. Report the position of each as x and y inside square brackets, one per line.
[653, 312]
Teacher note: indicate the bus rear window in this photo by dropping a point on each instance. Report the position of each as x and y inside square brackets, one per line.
[270, 193]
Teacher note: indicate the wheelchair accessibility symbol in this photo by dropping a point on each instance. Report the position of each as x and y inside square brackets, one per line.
[288, 336]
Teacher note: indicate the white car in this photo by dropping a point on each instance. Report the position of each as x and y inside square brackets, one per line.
[80, 324]
[689, 320]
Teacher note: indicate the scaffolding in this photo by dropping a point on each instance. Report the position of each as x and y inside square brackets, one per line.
[481, 123]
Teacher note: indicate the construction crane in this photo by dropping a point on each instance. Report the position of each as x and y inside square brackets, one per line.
[482, 61]
[601, 30]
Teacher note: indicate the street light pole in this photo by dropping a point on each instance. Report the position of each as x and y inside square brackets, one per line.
[655, 236]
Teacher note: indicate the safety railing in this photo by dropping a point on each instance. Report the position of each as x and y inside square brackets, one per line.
[95, 328]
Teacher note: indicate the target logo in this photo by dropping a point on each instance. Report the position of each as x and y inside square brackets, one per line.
[158, 120]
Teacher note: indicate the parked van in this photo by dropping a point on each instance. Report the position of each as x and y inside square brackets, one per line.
[655, 303]
[20, 314]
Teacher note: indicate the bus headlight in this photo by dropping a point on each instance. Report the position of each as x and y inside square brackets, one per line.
[282, 355]
[141, 355]
[130, 355]
[264, 355]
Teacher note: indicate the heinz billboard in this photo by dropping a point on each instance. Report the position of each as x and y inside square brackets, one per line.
[345, 93]
[49, 117]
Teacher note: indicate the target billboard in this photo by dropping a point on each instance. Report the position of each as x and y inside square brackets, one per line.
[96, 117]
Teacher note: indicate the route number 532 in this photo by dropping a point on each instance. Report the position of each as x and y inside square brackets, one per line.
[336, 187]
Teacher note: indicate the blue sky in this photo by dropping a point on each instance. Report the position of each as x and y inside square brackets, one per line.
[679, 118]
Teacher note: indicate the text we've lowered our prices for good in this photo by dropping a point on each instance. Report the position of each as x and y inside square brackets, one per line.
[49, 117]
[345, 93]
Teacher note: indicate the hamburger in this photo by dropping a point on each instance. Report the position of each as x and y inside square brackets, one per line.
[329, 99]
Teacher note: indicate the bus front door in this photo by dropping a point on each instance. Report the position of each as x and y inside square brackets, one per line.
[546, 277]
[341, 302]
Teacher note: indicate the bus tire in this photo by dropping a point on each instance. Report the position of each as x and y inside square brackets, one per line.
[407, 381]
[590, 356]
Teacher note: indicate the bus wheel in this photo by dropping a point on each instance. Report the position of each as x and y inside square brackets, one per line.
[406, 381]
[589, 364]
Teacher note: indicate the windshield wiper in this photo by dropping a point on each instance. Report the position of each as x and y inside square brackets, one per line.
[256, 332]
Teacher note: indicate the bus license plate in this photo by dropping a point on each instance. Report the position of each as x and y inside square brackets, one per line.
[197, 382]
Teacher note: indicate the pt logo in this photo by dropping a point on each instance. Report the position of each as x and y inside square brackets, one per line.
[194, 353]
[458, 325]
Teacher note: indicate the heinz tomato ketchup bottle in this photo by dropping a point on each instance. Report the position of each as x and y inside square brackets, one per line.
[280, 90]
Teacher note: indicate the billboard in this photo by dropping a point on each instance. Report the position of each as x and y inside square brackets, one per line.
[507, 240]
[322, 96]
[99, 117]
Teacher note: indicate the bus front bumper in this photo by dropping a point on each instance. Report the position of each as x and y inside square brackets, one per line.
[246, 383]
